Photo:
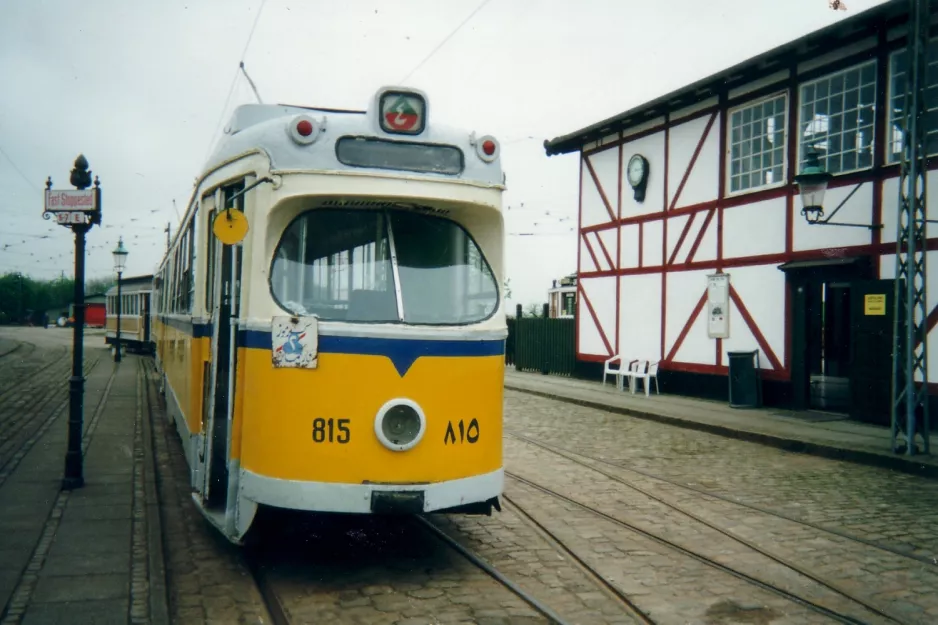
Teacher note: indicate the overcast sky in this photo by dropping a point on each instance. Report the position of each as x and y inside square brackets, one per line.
[140, 88]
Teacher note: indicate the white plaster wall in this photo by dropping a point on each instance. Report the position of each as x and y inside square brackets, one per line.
[640, 316]
[592, 209]
[675, 227]
[629, 243]
[697, 346]
[755, 229]
[762, 291]
[891, 206]
[651, 243]
[708, 244]
[703, 183]
[609, 239]
[606, 165]
[590, 341]
[887, 271]
[586, 261]
[859, 209]
[684, 291]
[601, 293]
[652, 148]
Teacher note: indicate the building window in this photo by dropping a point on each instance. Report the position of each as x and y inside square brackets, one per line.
[898, 70]
[757, 144]
[569, 304]
[837, 118]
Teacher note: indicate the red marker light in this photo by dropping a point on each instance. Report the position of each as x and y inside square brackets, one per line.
[488, 146]
[304, 127]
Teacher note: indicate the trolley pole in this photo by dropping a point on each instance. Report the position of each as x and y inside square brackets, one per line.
[79, 210]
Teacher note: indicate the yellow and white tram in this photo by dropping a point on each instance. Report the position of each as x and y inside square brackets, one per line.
[329, 324]
[135, 314]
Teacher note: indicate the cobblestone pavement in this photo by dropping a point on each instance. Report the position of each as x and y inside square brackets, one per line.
[207, 578]
[894, 509]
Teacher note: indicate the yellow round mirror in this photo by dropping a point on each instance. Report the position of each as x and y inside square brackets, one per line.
[230, 226]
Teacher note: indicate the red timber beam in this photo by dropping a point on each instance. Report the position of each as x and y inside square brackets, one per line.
[700, 235]
[680, 240]
[686, 328]
[599, 328]
[612, 264]
[760, 339]
[589, 248]
[599, 187]
[693, 160]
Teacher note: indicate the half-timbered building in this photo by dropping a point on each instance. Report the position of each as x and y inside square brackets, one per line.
[692, 241]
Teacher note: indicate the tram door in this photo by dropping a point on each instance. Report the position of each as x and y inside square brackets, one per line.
[224, 281]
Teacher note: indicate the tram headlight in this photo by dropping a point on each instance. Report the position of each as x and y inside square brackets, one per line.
[400, 424]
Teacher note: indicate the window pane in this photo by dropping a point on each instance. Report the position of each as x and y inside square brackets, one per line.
[310, 275]
[337, 264]
[754, 144]
[440, 283]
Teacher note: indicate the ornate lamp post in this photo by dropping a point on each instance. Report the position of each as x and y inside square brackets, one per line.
[120, 259]
[79, 210]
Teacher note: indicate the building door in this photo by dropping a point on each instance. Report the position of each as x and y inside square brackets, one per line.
[871, 366]
[822, 314]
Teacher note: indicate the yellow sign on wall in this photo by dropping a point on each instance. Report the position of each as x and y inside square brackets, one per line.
[874, 304]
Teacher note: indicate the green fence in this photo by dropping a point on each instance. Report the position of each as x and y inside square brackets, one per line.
[542, 345]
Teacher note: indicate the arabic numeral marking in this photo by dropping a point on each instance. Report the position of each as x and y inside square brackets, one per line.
[467, 433]
[324, 430]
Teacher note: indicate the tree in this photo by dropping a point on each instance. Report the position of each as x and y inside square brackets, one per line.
[534, 310]
[507, 287]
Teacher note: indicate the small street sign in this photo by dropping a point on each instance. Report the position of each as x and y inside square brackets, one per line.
[68, 218]
[81, 200]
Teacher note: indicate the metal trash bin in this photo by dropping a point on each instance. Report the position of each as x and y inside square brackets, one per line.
[745, 380]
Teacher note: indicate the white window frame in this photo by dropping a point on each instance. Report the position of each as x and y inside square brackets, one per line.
[890, 93]
[728, 174]
[857, 67]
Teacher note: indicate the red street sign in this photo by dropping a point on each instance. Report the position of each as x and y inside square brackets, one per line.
[84, 200]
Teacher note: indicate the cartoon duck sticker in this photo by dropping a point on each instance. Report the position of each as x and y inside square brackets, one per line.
[293, 342]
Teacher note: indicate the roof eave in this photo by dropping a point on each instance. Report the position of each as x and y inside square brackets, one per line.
[737, 74]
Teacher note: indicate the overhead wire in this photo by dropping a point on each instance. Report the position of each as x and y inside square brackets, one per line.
[19, 171]
[234, 79]
[443, 42]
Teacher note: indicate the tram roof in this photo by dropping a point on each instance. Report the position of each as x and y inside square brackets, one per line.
[270, 127]
[133, 284]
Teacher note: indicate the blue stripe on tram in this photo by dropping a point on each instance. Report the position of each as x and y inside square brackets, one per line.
[402, 352]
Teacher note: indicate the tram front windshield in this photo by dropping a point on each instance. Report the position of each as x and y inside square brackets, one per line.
[337, 264]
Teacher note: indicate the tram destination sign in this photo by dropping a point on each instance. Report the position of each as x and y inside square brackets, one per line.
[85, 200]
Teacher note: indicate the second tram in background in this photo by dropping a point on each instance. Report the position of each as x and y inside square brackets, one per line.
[135, 314]
[329, 327]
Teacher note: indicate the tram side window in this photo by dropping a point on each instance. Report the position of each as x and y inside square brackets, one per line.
[337, 265]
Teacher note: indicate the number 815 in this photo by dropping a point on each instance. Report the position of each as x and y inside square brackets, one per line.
[325, 430]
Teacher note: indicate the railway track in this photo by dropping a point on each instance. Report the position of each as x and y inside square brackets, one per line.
[573, 456]
[767, 586]
[812, 605]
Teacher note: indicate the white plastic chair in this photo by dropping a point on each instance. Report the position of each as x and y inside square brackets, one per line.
[646, 377]
[617, 372]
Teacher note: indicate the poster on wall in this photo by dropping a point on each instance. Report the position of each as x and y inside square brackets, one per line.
[718, 306]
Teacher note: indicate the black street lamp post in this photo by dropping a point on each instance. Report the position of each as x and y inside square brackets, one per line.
[79, 210]
[120, 258]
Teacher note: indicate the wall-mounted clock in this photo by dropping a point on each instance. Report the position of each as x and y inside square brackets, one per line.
[637, 173]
